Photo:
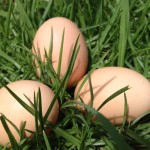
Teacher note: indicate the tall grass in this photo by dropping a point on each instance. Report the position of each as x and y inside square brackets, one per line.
[116, 33]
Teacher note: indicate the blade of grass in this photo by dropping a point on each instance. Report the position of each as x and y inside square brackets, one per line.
[26, 147]
[120, 91]
[91, 91]
[125, 111]
[146, 63]
[46, 141]
[39, 106]
[28, 108]
[12, 139]
[83, 82]
[124, 29]
[51, 45]
[36, 123]
[12, 124]
[22, 131]
[60, 54]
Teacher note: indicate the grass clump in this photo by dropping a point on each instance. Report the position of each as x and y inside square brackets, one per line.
[116, 34]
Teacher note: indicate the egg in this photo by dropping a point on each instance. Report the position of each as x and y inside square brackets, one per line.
[108, 80]
[55, 27]
[16, 113]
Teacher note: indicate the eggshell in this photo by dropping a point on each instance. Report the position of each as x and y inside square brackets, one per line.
[106, 81]
[42, 40]
[16, 113]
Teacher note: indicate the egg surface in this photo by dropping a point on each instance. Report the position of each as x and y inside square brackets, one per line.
[52, 30]
[16, 113]
[108, 80]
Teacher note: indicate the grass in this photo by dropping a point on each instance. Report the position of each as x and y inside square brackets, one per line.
[116, 33]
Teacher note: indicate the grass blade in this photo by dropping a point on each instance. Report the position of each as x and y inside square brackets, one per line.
[124, 29]
[83, 82]
[125, 111]
[91, 91]
[51, 46]
[12, 124]
[60, 54]
[12, 139]
[28, 108]
[113, 96]
[22, 131]
[46, 141]
[39, 106]
[36, 122]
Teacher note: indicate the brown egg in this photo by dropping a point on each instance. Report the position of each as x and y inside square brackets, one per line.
[71, 32]
[16, 113]
[108, 80]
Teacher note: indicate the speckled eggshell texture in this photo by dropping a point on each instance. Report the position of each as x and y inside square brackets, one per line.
[55, 27]
[106, 81]
[16, 113]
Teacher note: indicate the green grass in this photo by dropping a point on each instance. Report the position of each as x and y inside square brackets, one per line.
[117, 33]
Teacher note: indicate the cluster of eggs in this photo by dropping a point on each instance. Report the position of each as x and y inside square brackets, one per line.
[25, 89]
[105, 81]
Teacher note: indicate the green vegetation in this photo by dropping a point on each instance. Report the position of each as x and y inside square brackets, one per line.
[117, 33]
